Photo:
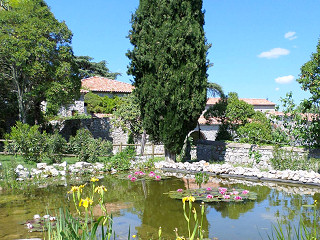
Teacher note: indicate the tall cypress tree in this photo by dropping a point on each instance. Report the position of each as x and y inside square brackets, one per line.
[168, 63]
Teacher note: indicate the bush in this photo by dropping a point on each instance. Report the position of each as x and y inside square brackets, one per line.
[56, 146]
[87, 148]
[27, 141]
[284, 160]
[257, 131]
[97, 104]
[122, 160]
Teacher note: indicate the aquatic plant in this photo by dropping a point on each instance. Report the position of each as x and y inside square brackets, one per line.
[302, 232]
[84, 226]
[201, 178]
[140, 175]
[196, 232]
[40, 224]
[214, 194]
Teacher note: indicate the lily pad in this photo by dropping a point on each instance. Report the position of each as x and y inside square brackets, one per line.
[214, 194]
[139, 175]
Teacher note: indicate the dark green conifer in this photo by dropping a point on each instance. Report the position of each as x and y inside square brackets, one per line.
[169, 65]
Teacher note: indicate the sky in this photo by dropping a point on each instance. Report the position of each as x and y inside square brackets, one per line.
[258, 46]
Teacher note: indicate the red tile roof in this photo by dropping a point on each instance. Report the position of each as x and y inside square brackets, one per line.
[102, 84]
[210, 121]
[252, 101]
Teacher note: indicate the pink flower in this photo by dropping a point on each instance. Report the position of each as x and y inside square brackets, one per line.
[226, 196]
[136, 173]
[245, 192]
[141, 173]
[29, 226]
[158, 178]
[209, 189]
[222, 190]
[235, 192]
[129, 176]
[237, 197]
[179, 190]
[209, 196]
[152, 174]
[133, 179]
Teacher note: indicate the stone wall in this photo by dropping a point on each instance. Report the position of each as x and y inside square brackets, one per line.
[239, 153]
[102, 128]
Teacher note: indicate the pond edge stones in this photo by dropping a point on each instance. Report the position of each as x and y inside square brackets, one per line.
[227, 170]
[44, 170]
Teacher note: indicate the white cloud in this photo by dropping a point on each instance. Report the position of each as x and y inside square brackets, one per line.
[274, 53]
[290, 35]
[285, 79]
[277, 89]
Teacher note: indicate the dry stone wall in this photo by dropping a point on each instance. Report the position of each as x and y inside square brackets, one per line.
[102, 128]
[242, 154]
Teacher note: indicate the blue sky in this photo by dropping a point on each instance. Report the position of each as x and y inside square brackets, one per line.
[258, 46]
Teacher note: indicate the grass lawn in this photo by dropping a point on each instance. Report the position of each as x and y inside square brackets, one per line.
[8, 159]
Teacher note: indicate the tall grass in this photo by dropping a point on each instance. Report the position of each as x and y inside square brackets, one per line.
[302, 232]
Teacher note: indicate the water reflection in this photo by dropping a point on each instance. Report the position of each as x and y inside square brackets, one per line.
[144, 208]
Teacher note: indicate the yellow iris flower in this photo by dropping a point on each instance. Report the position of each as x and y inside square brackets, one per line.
[85, 202]
[76, 189]
[100, 189]
[94, 179]
[188, 199]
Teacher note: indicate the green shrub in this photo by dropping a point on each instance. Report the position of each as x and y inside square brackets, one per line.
[224, 133]
[56, 146]
[97, 104]
[257, 131]
[27, 141]
[87, 148]
[122, 160]
[283, 160]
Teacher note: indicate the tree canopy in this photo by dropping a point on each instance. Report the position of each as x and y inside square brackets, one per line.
[37, 62]
[239, 120]
[88, 68]
[168, 63]
[309, 79]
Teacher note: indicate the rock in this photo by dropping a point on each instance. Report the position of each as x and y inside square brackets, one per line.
[285, 175]
[41, 166]
[19, 167]
[64, 164]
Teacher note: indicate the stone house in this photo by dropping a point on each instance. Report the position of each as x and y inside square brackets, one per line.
[98, 85]
[208, 129]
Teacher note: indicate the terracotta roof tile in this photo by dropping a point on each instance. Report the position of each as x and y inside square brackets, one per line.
[210, 121]
[252, 101]
[102, 84]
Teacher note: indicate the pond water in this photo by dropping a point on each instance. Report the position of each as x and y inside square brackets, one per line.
[143, 207]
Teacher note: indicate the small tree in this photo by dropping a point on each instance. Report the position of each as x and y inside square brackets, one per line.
[309, 79]
[168, 63]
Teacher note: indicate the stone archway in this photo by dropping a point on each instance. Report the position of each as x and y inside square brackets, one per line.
[196, 136]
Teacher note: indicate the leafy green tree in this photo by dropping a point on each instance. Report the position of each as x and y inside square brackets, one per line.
[36, 58]
[298, 126]
[309, 79]
[258, 130]
[88, 68]
[168, 63]
[128, 116]
[234, 114]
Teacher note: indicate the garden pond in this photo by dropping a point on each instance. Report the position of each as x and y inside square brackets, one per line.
[143, 206]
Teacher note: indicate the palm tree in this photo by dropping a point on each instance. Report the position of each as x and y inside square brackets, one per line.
[214, 89]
